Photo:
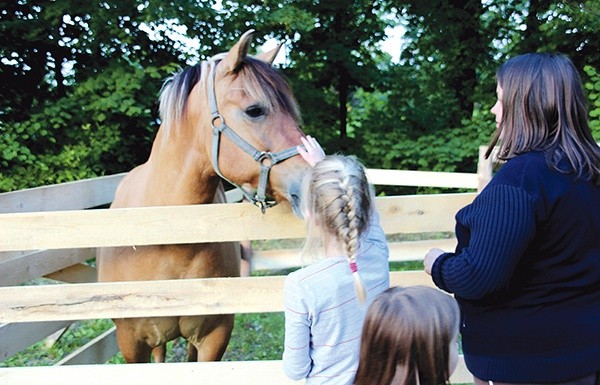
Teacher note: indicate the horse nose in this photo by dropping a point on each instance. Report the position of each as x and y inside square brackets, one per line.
[295, 203]
[294, 196]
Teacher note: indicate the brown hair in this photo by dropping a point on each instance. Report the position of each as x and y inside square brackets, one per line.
[406, 337]
[544, 109]
[338, 198]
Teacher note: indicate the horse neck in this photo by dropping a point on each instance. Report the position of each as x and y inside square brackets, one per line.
[179, 170]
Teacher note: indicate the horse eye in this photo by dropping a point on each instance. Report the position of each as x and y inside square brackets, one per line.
[255, 111]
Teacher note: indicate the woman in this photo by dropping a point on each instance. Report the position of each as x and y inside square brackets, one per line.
[526, 270]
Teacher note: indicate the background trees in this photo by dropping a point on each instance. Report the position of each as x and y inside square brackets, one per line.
[79, 80]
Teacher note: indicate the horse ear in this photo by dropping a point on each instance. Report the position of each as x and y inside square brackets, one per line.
[269, 56]
[232, 61]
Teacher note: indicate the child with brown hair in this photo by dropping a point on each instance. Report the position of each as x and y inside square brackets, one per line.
[409, 338]
[325, 303]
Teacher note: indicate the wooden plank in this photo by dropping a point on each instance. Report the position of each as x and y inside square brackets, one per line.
[277, 259]
[64, 196]
[421, 213]
[189, 224]
[272, 259]
[422, 178]
[7, 255]
[410, 278]
[18, 336]
[206, 373]
[23, 268]
[79, 273]
[50, 263]
[99, 191]
[155, 298]
[100, 349]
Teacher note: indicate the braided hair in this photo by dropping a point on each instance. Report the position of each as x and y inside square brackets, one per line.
[339, 199]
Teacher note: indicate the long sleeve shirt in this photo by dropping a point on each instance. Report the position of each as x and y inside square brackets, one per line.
[526, 273]
[323, 318]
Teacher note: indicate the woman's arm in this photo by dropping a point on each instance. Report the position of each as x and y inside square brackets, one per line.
[501, 223]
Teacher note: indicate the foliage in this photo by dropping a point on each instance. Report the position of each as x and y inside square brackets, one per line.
[388, 139]
[256, 337]
[447, 41]
[103, 126]
[46, 353]
[333, 54]
[80, 80]
[593, 90]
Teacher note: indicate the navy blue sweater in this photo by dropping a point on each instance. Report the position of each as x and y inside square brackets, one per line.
[526, 273]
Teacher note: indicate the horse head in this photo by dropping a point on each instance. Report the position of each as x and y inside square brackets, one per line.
[254, 123]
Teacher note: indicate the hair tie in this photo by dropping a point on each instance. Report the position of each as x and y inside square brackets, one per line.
[353, 267]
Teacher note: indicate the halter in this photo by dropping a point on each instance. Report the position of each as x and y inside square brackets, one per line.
[265, 159]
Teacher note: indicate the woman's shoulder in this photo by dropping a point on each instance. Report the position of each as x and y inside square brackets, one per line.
[528, 160]
[532, 176]
[527, 171]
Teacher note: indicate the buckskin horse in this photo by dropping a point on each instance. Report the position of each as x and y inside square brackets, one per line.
[233, 117]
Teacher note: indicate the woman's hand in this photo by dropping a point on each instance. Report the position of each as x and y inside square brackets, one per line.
[311, 151]
[430, 258]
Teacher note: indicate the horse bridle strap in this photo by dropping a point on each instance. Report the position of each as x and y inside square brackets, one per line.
[265, 159]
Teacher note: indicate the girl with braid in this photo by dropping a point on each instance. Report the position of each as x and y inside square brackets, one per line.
[326, 302]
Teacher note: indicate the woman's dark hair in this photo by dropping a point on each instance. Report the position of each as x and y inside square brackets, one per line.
[544, 109]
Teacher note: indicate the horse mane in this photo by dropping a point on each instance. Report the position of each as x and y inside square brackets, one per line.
[174, 94]
[261, 81]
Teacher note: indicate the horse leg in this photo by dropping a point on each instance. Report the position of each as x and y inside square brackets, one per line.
[192, 352]
[212, 337]
[133, 351]
[159, 353]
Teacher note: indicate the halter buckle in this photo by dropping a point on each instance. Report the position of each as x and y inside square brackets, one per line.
[266, 159]
[216, 117]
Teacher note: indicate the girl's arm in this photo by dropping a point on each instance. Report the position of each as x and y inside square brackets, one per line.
[374, 235]
[296, 355]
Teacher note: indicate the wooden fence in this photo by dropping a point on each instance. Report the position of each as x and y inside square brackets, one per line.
[47, 232]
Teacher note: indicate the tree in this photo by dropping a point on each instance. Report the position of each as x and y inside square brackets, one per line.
[433, 109]
[332, 51]
[447, 41]
[80, 81]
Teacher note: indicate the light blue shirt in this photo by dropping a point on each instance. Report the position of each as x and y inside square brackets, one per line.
[323, 318]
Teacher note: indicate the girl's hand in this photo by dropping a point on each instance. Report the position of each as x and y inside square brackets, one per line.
[430, 258]
[311, 151]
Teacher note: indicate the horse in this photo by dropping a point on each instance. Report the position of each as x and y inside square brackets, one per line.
[230, 117]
